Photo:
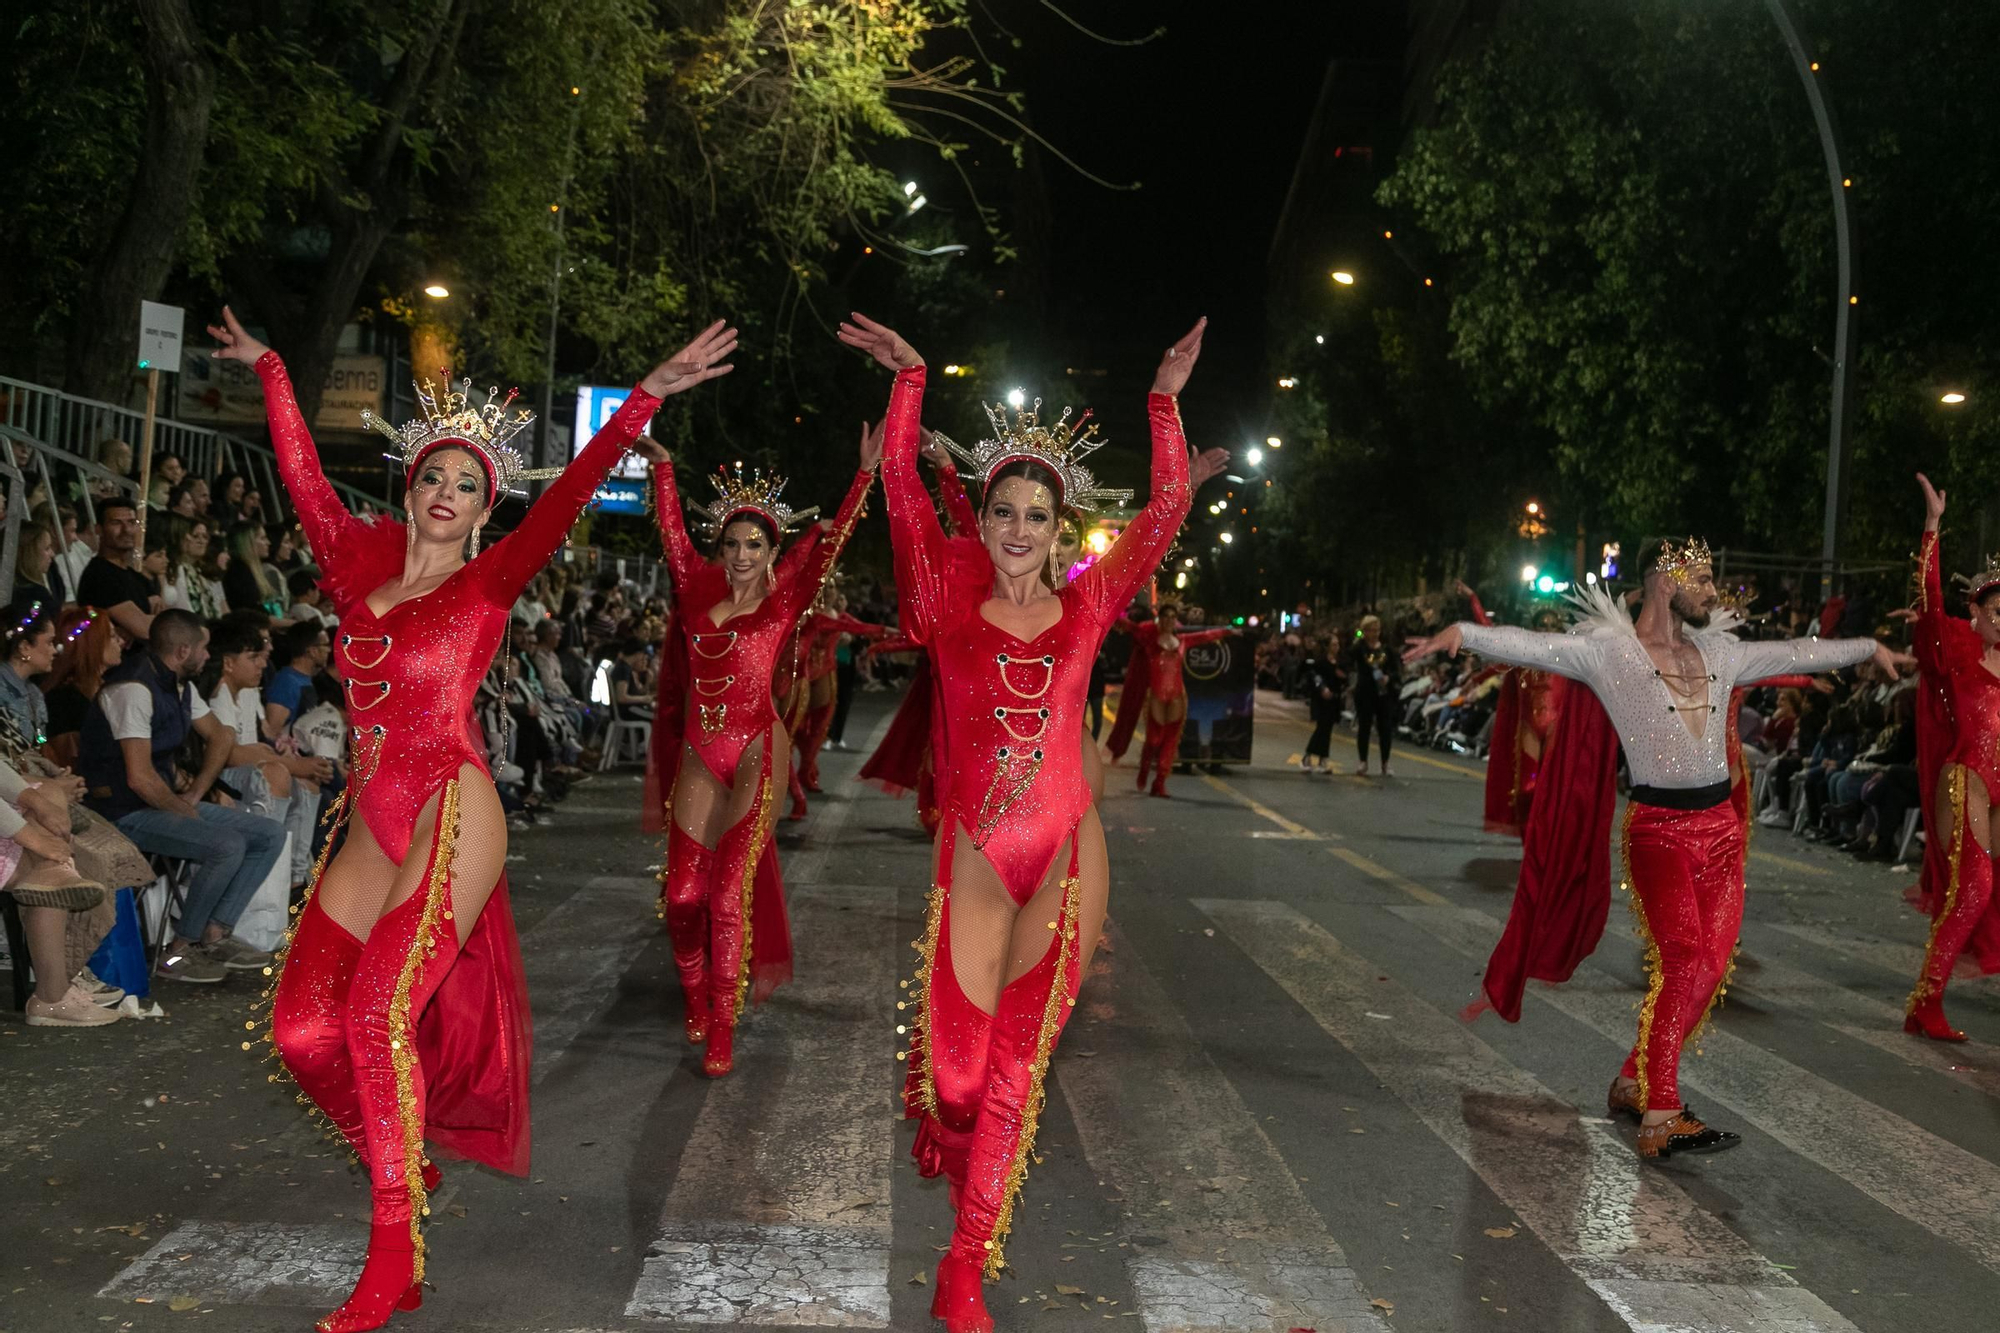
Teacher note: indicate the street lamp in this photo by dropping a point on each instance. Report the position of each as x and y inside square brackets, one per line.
[1343, 277]
[1274, 442]
[1528, 573]
[1017, 399]
[1288, 382]
[437, 291]
[1951, 399]
[1227, 537]
[917, 201]
[1255, 457]
[1320, 338]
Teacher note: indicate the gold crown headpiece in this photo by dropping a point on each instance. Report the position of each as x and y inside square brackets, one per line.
[757, 494]
[1059, 446]
[449, 417]
[1984, 581]
[1677, 561]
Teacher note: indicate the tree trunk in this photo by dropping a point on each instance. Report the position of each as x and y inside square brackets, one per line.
[180, 90]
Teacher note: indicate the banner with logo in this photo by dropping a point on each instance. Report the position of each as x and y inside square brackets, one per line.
[228, 393]
[1221, 682]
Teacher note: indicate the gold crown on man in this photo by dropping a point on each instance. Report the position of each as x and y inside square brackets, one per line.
[1678, 561]
[736, 494]
[451, 417]
[1058, 446]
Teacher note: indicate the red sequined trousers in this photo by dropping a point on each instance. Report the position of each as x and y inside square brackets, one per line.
[1684, 871]
[1968, 890]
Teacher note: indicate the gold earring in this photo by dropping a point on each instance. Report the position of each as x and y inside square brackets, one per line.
[409, 530]
[1055, 569]
[475, 542]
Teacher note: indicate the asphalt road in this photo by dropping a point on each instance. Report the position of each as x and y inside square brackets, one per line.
[1266, 1115]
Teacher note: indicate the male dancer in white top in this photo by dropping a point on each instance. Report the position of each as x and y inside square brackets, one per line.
[1663, 681]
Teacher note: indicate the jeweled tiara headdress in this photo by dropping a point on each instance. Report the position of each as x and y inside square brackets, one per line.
[451, 418]
[1060, 447]
[757, 494]
[1678, 561]
[1979, 584]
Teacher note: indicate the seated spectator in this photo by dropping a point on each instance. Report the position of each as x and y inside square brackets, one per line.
[280, 786]
[226, 508]
[1894, 746]
[632, 683]
[27, 649]
[88, 646]
[304, 649]
[37, 575]
[36, 867]
[132, 739]
[111, 582]
[181, 499]
[168, 472]
[249, 581]
[309, 603]
[187, 587]
[1835, 751]
[78, 544]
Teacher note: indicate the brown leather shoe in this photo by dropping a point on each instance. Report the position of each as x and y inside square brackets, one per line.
[1683, 1133]
[1624, 1100]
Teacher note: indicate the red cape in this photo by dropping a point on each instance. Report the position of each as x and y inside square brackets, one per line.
[1563, 896]
[476, 1044]
[1131, 696]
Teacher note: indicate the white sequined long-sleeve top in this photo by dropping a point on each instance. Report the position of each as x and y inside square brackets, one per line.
[1660, 748]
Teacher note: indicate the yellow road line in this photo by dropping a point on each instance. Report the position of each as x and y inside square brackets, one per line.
[1390, 877]
[1801, 867]
[1293, 827]
[1448, 767]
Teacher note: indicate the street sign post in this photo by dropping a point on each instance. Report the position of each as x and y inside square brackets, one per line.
[159, 349]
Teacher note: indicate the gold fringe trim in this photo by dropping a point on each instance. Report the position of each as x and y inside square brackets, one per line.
[402, 1030]
[1656, 975]
[760, 832]
[919, 989]
[1045, 1040]
[1954, 778]
[1714, 1001]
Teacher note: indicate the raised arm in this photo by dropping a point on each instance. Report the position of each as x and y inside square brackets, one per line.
[1190, 637]
[915, 536]
[524, 552]
[799, 590]
[951, 489]
[1479, 616]
[682, 558]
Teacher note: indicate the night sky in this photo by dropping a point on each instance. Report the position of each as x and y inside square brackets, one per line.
[1209, 118]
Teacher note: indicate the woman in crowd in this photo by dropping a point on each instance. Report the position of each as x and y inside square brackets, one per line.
[1321, 676]
[1021, 874]
[90, 646]
[414, 907]
[250, 582]
[187, 586]
[36, 573]
[1376, 671]
[736, 609]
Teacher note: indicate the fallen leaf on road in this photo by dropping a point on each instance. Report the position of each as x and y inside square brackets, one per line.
[1062, 1290]
[182, 1304]
[919, 1280]
[1386, 1307]
[1500, 1233]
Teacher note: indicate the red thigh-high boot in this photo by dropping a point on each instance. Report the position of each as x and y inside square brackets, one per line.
[1967, 887]
[1031, 1013]
[1170, 748]
[405, 958]
[729, 922]
[947, 1055]
[1149, 751]
[819, 719]
[309, 1019]
[798, 789]
[685, 889]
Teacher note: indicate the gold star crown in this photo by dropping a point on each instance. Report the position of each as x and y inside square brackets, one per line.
[1059, 446]
[736, 494]
[1678, 561]
[451, 418]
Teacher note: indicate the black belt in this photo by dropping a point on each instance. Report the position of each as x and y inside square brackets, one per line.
[1683, 798]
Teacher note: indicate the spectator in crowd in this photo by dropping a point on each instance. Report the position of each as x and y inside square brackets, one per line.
[111, 582]
[181, 500]
[1320, 676]
[168, 472]
[27, 650]
[292, 553]
[89, 646]
[132, 739]
[309, 604]
[79, 544]
[532, 605]
[1895, 744]
[48, 891]
[1835, 751]
[545, 658]
[284, 787]
[249, 581]
[36, 573]
[187, 584]
[305, 648]
[632, 683]
[226, 507]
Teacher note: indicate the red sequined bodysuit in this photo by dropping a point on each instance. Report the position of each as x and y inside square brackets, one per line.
[1012, 713]
[408, 1034]
[1164, 666]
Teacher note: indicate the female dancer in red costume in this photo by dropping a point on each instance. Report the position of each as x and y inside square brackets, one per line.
[414, 905]
[1162, 645]
[1524, 719]
[820, 639]
[1959, 665]
[1021, 874]
[737, 612]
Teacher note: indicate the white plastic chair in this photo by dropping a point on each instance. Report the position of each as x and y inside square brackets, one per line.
[623, 741]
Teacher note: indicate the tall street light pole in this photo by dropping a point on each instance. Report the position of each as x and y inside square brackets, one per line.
[1843, 318]
[545, 445]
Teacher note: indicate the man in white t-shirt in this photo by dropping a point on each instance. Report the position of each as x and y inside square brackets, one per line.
[131, 740]
[284, 787]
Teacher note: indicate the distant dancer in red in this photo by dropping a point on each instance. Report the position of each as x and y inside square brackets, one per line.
[1524, 722]
[1021, 874]
[1162, 645]
[400, 1005]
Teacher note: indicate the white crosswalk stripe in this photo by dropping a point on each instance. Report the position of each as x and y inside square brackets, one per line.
[1934, 1183]
[1159, 1121]
[1657, 1259]
[780, 1211]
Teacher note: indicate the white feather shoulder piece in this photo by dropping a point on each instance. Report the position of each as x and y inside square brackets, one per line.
[1599, 612]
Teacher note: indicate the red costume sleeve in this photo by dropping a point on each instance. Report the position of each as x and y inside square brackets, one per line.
[799, 584]
[957, 504]
[895, 643]
[1107, 586]
[1479, 616]
[916, 536]
[1190, 637]
[526, 551]
[682, 559]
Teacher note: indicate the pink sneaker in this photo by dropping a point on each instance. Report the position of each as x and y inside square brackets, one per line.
[73, 1010]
